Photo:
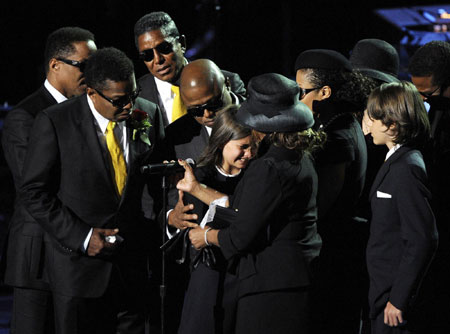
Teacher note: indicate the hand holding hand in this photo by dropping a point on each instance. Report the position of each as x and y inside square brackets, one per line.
[178, 217]
[392, 315]
[98, 244]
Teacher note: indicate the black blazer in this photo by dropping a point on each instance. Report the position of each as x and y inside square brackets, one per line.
[274, 237]
[68, 188]
[24, 256]
[403, 235]
[149, 90]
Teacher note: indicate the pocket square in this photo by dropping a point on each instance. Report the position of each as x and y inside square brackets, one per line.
[381, 194]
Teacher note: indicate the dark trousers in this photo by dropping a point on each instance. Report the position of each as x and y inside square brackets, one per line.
[340, 287]
[121, 310]
[32, 312]
[284, 311]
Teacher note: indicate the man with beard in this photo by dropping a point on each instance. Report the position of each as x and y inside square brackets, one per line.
[162, 49]
[82, 185]
[66, 51]
[430, 73]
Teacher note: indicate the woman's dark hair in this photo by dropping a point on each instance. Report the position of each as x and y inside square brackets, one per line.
[346, 86]
[225, 128]
[401, 105]
[305, 141]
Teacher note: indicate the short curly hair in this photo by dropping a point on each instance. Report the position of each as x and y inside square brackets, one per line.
[432, 59]
[155, 21]
[107, 64]
[60, 42]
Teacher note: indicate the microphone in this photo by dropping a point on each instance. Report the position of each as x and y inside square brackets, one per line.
[166, 169]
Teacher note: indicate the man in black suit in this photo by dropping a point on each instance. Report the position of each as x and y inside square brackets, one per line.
[81, 183]
[162, 48]
[65, 54]
[430, 73]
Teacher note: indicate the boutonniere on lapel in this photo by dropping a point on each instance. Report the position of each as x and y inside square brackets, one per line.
[139, 122]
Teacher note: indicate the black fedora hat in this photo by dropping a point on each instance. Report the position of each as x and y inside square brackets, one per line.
[376, 58]
[273, 105]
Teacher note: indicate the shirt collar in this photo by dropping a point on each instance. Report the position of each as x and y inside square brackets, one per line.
[101, 121]
[54, 92]
[163, 85]
[392, 151]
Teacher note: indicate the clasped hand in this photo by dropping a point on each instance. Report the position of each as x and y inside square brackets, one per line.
[98, 245]
[197, 237]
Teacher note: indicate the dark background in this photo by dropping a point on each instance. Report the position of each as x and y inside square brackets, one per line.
[251, 36]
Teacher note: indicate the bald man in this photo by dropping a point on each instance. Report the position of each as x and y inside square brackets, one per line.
[204, 90]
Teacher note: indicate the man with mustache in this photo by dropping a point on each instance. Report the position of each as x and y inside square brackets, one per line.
[82, 184]
[162, 48]
[65, 53]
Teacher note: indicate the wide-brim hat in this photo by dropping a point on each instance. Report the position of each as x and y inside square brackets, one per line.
[377, 59]
[273, 105]
[322, 59]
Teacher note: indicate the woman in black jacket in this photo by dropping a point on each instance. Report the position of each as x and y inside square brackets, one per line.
[334, 93]
[272, 238]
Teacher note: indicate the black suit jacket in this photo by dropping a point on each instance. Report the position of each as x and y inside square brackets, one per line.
[68, 189]
[24, 255]
[274, 237]
[149, 91]
[403, 235]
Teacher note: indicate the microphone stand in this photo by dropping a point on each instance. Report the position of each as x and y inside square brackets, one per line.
[162, 287]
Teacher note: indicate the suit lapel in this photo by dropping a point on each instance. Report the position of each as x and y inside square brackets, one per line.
[385, 169]
[89, 134]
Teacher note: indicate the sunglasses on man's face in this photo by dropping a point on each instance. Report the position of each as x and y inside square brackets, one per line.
[80, 64]
[123, 100]
[426, 96]
[213, 105]
[149, 54]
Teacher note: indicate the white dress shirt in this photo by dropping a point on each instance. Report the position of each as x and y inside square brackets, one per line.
[54, 92]
[392, 151]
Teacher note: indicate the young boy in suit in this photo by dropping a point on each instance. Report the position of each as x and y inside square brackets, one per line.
[403, 235]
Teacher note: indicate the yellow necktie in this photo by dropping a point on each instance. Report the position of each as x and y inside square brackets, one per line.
[117, 158]
[178, 108]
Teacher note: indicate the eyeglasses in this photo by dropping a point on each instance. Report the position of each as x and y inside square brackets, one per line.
[164, 48]
[426, 96]
[80, 64]
[304, 91]
[123, 100]
[213, 105]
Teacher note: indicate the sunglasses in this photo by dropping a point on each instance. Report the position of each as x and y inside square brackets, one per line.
[426, 96]
[80, 64]
[304, 91]
[213, 105]
[164, 48]
[123, 100]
